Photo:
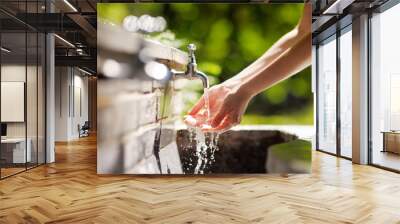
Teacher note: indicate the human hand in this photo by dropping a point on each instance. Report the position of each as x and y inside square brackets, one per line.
[226, 107]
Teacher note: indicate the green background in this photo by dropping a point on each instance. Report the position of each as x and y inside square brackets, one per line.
[229, 37]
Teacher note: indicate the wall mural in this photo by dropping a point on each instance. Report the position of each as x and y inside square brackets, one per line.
[156, 62]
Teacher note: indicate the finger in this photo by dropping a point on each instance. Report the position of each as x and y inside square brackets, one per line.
[196, 108]
[225, 125]
[217, 119]
[195, 120]
[190, 120]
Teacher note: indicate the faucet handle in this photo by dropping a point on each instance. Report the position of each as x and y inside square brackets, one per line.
[192, 49]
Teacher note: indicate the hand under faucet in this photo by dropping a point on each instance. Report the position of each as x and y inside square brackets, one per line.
[229, 100]
[226, 103]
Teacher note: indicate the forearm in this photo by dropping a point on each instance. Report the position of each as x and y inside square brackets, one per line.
[282, 45]
[289, 63]
[271, 55]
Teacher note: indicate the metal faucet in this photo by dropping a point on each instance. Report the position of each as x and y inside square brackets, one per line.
[191, 69]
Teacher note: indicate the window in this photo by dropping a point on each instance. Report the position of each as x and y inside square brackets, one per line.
[327, 95]
[346, 92]
[385, 89]
[22, 88]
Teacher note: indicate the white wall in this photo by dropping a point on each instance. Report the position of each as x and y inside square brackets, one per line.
[80, 102]
[12, 73]
[33, 127]
[71, 93]
[62, 81]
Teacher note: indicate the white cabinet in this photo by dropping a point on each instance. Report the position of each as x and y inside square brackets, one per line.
[16, 150]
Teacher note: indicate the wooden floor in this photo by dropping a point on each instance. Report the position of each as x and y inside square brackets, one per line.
[387, 159]
[69, 191]
[5, 172]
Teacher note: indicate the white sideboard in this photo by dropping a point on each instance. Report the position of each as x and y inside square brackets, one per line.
[18, 149]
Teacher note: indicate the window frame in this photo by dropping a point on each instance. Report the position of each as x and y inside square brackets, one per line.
[333, 33]
[378, 10]
[26, 30]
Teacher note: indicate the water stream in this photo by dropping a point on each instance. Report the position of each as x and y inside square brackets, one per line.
[206, 142]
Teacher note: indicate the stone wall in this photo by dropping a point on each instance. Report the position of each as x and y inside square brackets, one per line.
[138, 103]
[136, 132]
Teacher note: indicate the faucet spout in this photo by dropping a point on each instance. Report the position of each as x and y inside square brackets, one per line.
[191, 69]
[191, 76]
[203, 77]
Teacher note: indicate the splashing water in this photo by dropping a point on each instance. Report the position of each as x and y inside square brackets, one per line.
[206, 142]
[207, 105]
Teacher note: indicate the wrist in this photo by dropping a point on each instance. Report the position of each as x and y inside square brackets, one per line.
[239, 88]
[244, 90]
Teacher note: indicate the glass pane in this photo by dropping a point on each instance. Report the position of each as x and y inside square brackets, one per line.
[13, 88]
[385, 84]
[41, 98]
[327, 97]
[346, 94]
[31, 97]
[31, 86]
[23, 84]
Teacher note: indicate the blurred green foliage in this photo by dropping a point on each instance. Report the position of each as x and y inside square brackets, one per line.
[229, 37]
[299, 117]
[297, 150]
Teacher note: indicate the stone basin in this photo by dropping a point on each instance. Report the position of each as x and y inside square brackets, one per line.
[249, 152]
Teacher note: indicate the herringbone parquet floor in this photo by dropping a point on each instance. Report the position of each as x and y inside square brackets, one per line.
[69, 191]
